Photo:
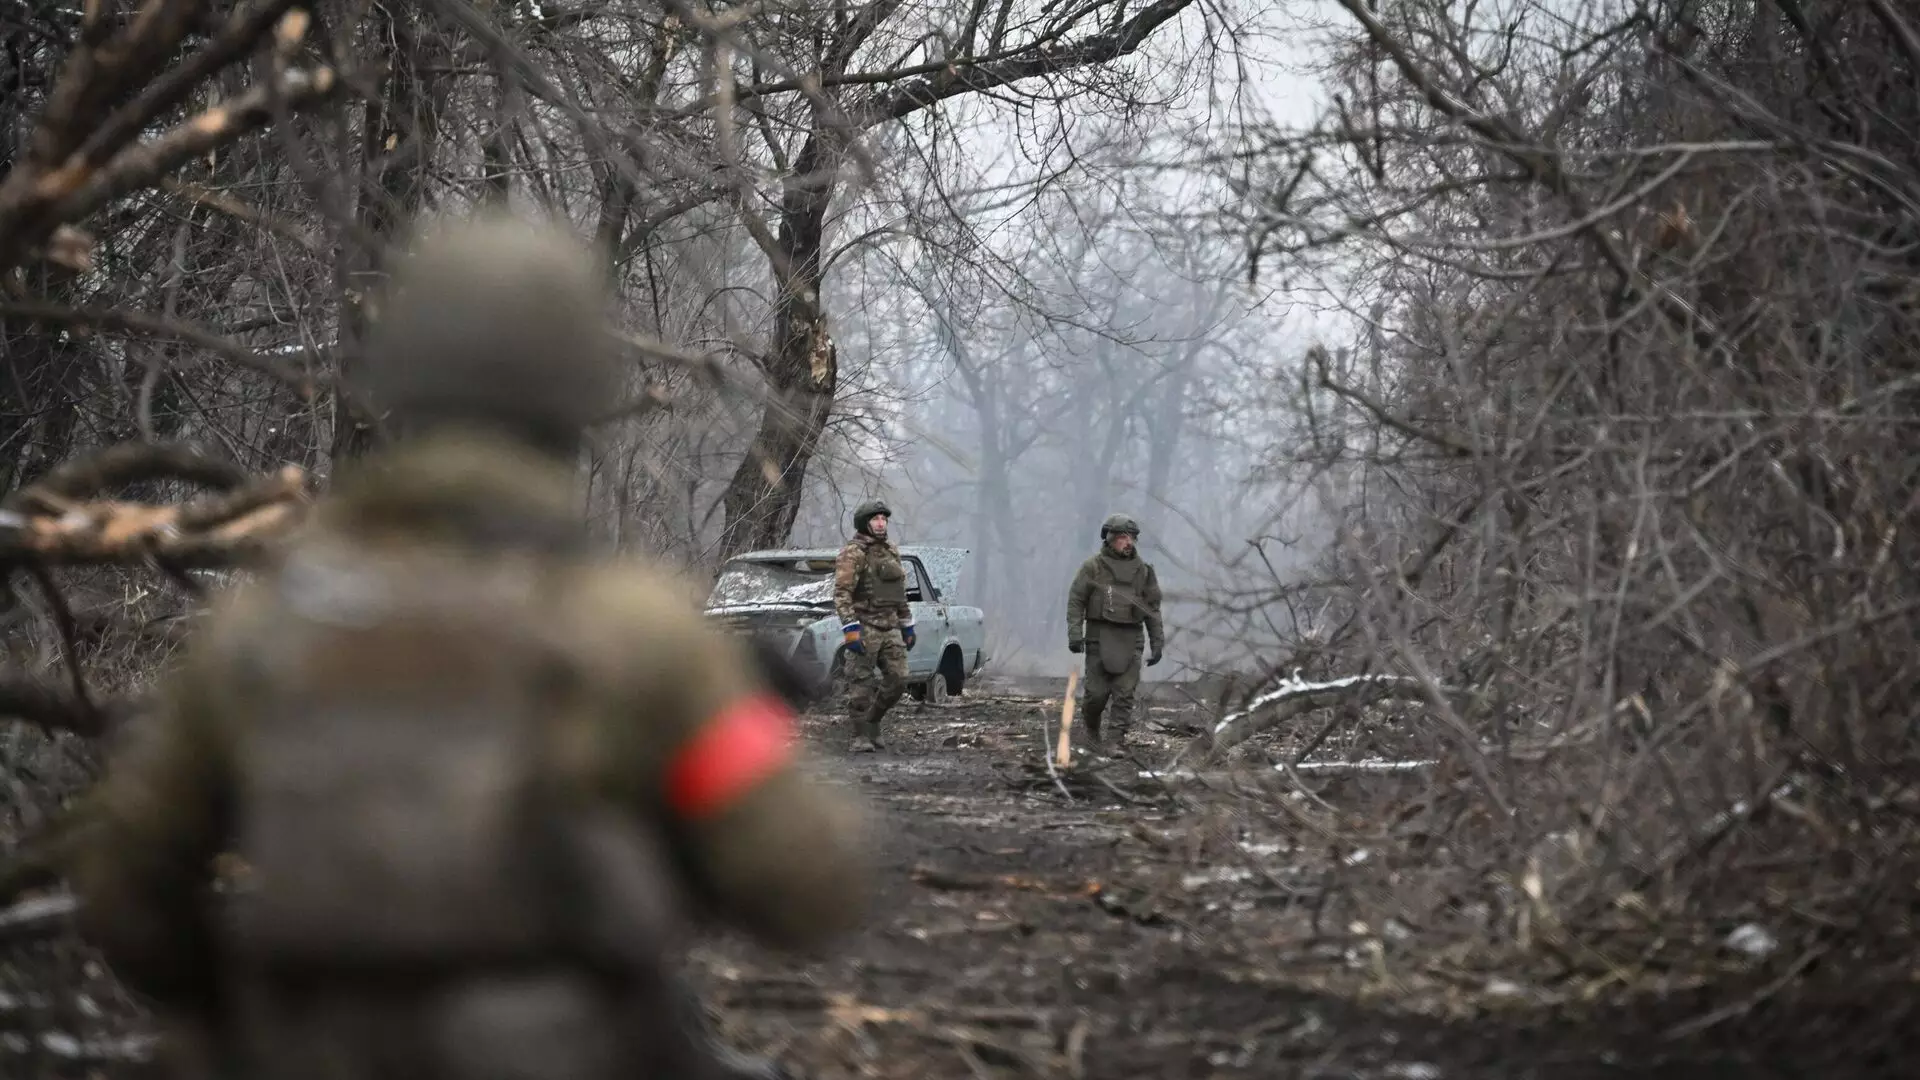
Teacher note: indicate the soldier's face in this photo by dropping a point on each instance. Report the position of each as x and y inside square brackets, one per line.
[877, 524]
[1122, 542]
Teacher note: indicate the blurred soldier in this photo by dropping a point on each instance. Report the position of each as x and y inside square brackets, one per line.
[870, 596]
[476, 774]
[1115, 593]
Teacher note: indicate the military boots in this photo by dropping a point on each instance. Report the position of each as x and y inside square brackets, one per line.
[1091, 720]
[866, 736]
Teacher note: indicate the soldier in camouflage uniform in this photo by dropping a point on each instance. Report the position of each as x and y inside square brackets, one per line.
[870, 596]
[1113, 597]
[478, 774]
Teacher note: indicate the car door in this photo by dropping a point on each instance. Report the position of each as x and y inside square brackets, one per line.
[930, 622]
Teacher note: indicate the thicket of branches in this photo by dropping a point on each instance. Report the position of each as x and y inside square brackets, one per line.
[1626, 442]
[735, 166]
[196, 198]
[1616, 464]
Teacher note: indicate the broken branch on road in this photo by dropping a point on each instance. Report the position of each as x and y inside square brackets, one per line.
[1295, 696]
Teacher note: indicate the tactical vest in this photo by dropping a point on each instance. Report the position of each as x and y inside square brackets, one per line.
[1117, 587]
[401, 806]
[883, 579]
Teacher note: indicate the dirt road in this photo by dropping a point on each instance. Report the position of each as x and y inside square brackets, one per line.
[1018, 934]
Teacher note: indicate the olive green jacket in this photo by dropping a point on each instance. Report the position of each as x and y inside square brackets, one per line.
[1117, 589]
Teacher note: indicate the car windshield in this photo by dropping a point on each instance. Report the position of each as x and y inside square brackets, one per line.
[797, 581]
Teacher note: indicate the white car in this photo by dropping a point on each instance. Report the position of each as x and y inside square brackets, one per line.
[786, 599]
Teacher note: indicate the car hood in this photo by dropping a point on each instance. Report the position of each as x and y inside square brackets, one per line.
[811, 594]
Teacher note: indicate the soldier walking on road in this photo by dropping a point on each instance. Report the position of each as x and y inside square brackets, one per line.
[870, 595]
[1113, 596]
[478, 775]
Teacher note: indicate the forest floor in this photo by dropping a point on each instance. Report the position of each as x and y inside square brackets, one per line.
[1028, 927]
[1141, 932]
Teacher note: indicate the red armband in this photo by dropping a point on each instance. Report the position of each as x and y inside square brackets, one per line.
[742, 745]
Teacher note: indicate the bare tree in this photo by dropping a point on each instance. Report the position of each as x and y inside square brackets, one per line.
[1619, 422]
[829, 69]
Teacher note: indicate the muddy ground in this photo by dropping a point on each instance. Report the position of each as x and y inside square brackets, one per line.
[1019, 934]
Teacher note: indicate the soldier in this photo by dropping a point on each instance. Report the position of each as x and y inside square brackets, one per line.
[477, 774]
[870, 596]
[1113, 595]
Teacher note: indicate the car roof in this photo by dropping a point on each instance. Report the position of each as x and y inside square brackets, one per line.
[943, 563]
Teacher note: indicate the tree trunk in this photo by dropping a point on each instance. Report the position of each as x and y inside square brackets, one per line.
[397, 142]
[1168, 423]
[993, 491]
[1096, 464]
[763, 498]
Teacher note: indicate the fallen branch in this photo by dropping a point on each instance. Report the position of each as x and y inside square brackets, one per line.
[126, 1050]
[955, 881]
[1064, 753]
[38, 918]
[1361, 766]
[1296, 696]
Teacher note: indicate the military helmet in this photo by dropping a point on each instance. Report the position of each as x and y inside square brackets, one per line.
[496, 320]
[867, 511]
[1119, 523]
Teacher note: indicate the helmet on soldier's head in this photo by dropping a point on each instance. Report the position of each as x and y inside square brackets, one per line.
[1119, 523]
[866, 512]
[497, 321]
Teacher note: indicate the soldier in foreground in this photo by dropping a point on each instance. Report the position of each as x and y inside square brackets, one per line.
[1114, 596]
[480, 776]
[870, 596]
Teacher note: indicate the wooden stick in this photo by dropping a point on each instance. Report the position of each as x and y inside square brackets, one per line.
[1064, 754]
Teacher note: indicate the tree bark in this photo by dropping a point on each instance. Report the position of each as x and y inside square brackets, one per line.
[763, 498]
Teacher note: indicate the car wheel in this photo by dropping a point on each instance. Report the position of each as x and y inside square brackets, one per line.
[937, 688]
[952, 675]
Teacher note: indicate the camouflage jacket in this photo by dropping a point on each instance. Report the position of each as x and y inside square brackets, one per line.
[870, 585]
[650, 733]
[1115, 588]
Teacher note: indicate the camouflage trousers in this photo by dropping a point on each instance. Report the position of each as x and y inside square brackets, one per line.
[877, 678]
[1108, 696]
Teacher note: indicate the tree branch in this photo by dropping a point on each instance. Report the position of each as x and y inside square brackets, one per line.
[159, 326]
[953, 80]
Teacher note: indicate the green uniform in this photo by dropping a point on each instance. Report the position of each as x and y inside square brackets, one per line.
[1113, 599]
[649, 701]
[480, 776]
[870, 596]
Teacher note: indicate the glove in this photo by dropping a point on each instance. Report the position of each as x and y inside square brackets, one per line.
[1153, 657]
[906, 635]
[851, 632]
[1075, 645]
